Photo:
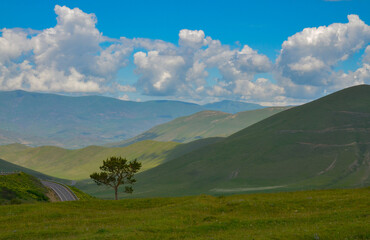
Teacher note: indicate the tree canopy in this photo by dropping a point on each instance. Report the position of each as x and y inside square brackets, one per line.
[117, 171]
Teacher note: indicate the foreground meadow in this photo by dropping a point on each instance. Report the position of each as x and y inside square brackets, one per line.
[326, 214]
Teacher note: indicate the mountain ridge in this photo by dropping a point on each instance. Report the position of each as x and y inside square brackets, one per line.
[42, 118]
[201, 125]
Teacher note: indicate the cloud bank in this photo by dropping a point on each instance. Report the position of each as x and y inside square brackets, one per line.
[74, 56]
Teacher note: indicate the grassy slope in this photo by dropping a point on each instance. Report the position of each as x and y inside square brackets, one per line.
[80, 163]
[329, 214]
[105, 192]
[21, 187]
[322, 144]
[6, 166]
[202, 125]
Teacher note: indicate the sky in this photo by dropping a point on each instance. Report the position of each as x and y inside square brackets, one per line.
[267, 52]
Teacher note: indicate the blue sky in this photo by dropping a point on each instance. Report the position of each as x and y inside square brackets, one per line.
[253, 75]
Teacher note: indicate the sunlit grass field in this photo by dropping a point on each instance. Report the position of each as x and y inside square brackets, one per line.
[325, 214]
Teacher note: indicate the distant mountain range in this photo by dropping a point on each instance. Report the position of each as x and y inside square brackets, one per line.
[321, 144]
[231, 106]
[202, 125]
[39, 119]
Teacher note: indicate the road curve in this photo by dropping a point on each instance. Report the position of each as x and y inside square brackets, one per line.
[63, 192]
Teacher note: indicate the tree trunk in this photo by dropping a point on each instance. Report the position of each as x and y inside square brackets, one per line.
[116, 192]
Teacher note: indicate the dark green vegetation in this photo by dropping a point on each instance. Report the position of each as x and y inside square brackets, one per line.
[47, 119]
[203, 124]
[329, 214]
[21, 188]
[80, 163]
[116, 172]
[322, 144]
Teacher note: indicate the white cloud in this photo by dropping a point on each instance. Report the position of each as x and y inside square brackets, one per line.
[124, 97]
[261, 89]
[160, 74]
[125, 88]
[366, 57]
[194, 39]
[65, 58]
[183, 71]
[12, 44]
[305, 66]
[74, 56]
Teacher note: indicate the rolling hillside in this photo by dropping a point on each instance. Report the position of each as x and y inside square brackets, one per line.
[202, 125]
[80, 163]
[322, 144]
[37, 119]
[21, 188]
[6, 166]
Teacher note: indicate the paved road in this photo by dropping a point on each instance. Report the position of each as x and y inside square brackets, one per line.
[63, 193]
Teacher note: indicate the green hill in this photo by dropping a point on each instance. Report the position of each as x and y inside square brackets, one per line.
[21, 187]
[6, 166]
[80, 163]
[321, 144]
[202, 125]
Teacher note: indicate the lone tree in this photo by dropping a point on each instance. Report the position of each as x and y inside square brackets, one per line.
[117, 171]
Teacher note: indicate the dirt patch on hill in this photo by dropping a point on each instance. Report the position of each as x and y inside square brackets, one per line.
[53, 197]
[331, 166]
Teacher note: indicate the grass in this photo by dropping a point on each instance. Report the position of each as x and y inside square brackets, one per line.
[82, 196]
[325, 214]
[20, 188]
[201, 125]
[80, 163]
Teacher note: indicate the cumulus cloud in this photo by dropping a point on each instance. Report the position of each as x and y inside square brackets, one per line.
[74, 56]
[124, 97]
[125, 88]
[65, 58]
[160, 74]
[183, 70]
[194, 39]
[366, 57]
[308, 58]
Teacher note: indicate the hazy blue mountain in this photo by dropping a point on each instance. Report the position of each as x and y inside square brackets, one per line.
[231, 106]
[48, 119]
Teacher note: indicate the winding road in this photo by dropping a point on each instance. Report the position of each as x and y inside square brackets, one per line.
[63, 192]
